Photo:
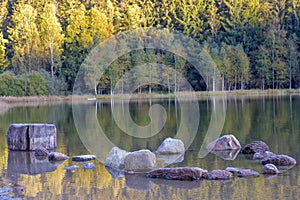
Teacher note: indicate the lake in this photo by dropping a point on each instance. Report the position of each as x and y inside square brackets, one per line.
[274, 120]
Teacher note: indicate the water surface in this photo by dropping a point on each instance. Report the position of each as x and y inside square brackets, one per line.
[274, 120]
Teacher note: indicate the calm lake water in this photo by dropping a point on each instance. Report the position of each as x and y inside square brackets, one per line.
[274, 120]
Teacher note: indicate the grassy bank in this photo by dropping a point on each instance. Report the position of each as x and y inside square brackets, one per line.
[6, 101]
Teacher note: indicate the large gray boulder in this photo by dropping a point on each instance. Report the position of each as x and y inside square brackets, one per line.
[254, 147]
[279, 160]
[171, 146]
[115, 158]
[28, 137]
[226, 142]
[178, 173]
[139, 161]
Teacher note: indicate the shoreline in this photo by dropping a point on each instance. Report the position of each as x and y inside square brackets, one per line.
[9, 100]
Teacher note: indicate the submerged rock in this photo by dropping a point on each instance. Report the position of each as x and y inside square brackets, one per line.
[226, 142]
[171, 146]
[261, 155]
[254, 147]
[242, 172]
[178, 173]
[83, 158]
[56, 156]
[115, 158]
[218, 175]
[73, 167]
[88, 166]
[270, 169]
[139, 161]
[279, 160]
[247, 173]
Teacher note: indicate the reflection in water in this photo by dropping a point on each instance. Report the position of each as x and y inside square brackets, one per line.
[228, 154]
[273, 120]
[24, 162]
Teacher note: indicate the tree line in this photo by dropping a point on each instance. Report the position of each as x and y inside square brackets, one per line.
[254, 43]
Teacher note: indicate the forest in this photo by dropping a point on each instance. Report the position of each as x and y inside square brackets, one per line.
[254, 43]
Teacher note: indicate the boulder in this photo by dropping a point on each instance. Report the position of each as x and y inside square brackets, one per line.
[247, 173]
[139, 161]
[262, 154]
[115, 158]
[83, 158]
[41, 151]
[73, 167]
[279, 160]
[270, 169]
[254, 147]
[217, 175]
[226, 142]
[88, 166]
[171, 146]
[28, 137]
[56, 156]
[178, 173]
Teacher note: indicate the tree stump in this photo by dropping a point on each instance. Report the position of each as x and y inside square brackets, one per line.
[28, 137]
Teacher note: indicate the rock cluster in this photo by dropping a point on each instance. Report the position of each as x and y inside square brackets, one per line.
[226, 147]
[270, 160]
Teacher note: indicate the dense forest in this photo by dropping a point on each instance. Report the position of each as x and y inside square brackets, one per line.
[254, 43]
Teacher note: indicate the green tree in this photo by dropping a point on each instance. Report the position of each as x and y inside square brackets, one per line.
[24, 36]
[292, 58]
[3, 61]
[51, 37]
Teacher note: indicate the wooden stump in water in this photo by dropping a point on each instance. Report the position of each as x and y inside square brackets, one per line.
[28, 137]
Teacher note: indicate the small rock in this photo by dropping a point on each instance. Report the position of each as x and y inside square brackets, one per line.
[261, 155]
[270, 169]
[41, 151]
[232, 169]
[178, 173]
[115, 158]
[171, 146]
[83, 158]
[226, 142]
[56, 156]
[139, 161]
[254, 147]
[217, 175]
[88, 166]
[247, 173]
[73, 167]
[279, 160]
